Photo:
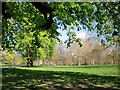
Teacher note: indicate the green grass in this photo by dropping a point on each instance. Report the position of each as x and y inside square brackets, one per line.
[5, 64]
[61, 77]
[109, 70]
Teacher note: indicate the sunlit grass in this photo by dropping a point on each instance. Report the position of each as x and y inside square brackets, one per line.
[108, 70]
[5, 64]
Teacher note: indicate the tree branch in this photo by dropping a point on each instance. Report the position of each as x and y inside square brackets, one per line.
[4, 13]
[44, 8]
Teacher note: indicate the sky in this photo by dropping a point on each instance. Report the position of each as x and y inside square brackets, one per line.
[79, 34]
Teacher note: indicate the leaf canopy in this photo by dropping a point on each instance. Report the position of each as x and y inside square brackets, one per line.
[36, 24]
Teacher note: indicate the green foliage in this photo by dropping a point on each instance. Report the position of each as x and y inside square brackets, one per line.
[11, 58]
[28, 24]
[27, 31]
[72, 37]
[88, 13]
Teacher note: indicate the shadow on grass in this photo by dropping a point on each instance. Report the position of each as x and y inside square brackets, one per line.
[14, 78]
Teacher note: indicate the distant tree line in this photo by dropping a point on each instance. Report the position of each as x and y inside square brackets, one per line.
[91, 53]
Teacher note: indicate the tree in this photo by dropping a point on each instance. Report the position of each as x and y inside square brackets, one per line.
[31, 42]
[114, 54]
[59, 54]
[96, 51]
[29, 19]
[11, 58]
[92, 52]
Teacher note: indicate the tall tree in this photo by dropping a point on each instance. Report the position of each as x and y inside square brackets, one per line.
[24, 36]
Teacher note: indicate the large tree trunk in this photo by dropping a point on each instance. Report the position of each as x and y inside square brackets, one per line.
[29, 61]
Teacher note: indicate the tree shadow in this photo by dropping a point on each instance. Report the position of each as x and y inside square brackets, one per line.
[14, 78]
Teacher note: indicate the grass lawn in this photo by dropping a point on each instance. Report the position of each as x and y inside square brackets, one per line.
[5, 65]
[61, 77]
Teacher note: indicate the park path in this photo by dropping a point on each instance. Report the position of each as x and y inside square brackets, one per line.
[11, 66]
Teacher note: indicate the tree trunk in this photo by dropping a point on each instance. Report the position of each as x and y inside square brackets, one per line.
[93, 62]
[79, 63]
[85, 62]
[113, 61]
[73, 61]
[29, 61]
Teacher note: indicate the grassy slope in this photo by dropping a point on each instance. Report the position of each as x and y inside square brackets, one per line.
[43, 77]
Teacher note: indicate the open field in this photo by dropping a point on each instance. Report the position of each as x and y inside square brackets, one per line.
[61, 77]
